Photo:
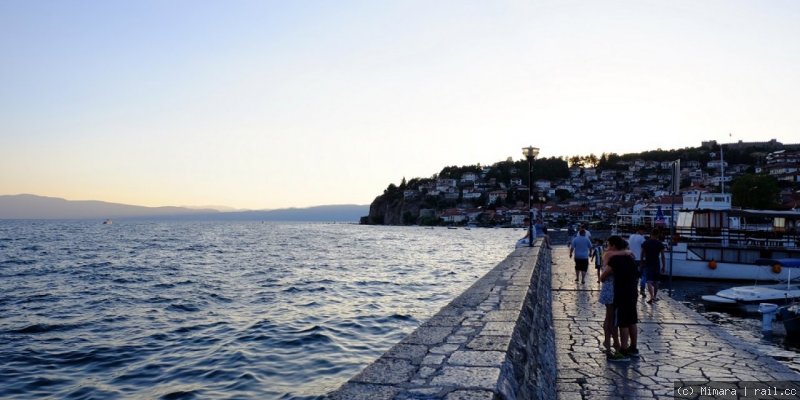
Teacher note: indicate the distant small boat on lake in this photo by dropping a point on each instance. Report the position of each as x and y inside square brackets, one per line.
[108, 222]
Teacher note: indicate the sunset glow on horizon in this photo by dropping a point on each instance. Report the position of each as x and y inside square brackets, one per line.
[268, 104]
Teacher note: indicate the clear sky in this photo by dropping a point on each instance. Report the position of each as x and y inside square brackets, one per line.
[270, 104]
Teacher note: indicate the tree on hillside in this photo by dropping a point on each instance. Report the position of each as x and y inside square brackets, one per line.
[455, 172]
[755, 191]
[610, 161]
[591, 161]
[415, 183]
[550, 168]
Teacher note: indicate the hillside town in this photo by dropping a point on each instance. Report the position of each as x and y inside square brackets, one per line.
[589, 192]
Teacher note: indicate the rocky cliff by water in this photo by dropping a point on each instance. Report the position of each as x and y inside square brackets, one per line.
[388, 210]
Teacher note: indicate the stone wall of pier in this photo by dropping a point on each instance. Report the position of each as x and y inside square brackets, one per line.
[494, 341]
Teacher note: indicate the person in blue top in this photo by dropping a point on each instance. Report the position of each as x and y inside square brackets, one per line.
[580, 247]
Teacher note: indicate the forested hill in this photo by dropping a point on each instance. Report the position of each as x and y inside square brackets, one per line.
[424, 200]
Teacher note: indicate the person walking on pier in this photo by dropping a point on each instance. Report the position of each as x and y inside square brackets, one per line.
[635, 243]
[597, 256]
[624, 269]
[653, 263]
[580, 246]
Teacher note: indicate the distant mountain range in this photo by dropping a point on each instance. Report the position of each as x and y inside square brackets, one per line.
[28, 206]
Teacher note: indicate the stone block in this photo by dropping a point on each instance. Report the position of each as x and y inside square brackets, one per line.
[444, 349]
[457, 339]
[501, 316]
[450, 311]
[443, 320]
[470, 300]
[426, 372]
[359, 391]
[407, 351]
[468, 377]
[387, 371]
[477, 358]
[470, 395]
[433, 359]
[466, 331]
[488, 342]
[494, 328]
[512, 304]
[422, 393]
[428, 336]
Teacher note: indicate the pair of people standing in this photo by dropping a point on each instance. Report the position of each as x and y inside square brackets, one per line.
[619, 295]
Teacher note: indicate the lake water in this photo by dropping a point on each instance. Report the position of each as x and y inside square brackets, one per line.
[181, 310]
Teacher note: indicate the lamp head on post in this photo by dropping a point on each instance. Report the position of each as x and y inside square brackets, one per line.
[530, 153]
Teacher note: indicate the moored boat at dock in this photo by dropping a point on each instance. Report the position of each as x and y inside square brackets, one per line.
[726, 244]
[748, 298]
[712, 240]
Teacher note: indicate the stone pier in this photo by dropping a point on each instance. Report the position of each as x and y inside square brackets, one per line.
[526, 330]
[675, 343]
[494, 341]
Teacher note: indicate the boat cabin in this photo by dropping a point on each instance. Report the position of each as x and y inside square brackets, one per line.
[740, 235]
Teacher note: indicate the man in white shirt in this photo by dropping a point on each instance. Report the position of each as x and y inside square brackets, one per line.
[635, 243]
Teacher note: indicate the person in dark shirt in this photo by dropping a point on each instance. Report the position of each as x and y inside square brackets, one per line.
[654, 262]
[626, 294]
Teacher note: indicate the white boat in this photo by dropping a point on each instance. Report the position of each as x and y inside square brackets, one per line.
[748, 298]
[715, 241]
[726, 243]
[108, 222]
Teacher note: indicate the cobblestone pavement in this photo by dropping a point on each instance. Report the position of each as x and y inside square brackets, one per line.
[675, 343]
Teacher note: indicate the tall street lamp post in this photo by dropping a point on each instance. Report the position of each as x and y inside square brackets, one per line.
[530, 153]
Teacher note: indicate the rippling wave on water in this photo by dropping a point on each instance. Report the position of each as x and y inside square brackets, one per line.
[181, 310]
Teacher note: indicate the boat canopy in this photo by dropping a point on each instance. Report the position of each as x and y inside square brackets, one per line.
[766, 213]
